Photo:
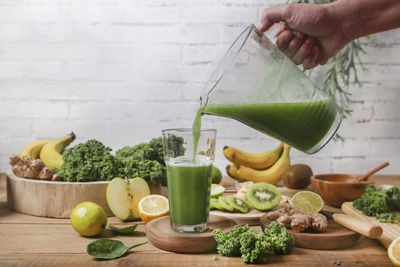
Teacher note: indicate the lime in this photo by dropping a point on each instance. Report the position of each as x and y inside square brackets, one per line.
[216, 175]
[217, 190]
[88, 219]
[308, 200]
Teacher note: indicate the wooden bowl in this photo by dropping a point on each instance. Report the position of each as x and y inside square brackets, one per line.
[57, 199]
[338, 188]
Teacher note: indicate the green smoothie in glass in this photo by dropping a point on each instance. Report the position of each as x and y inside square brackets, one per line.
[189, 165]
[189, 190]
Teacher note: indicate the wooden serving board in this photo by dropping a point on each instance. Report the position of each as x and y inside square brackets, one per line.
[52, 199]
[161, 235]
[336, 237]
[57, 199]
[390, 230]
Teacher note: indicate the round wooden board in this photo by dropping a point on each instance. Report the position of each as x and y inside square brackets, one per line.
[161, 235]
[337, 236]
[57, 199]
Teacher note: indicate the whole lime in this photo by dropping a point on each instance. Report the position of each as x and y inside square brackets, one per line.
[216, 175]
[88, 219]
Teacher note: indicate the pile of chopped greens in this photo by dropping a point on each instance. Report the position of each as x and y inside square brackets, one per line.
[383, 204]
[254, 246]
[93, 161]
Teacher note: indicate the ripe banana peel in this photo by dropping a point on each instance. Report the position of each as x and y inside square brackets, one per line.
[33, 150]
[51, 153]
[231, 171]
[259, 161]
[271, 175]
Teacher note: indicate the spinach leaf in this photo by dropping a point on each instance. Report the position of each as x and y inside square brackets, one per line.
[108, 249]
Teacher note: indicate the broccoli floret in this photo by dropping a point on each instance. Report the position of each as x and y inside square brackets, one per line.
[90, 161]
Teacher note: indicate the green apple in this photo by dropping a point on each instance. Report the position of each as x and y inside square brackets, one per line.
[88, 219]
[123, 197]
[216, 175]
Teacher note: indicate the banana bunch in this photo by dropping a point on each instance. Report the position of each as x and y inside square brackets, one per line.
[49, 151]
[261, 167]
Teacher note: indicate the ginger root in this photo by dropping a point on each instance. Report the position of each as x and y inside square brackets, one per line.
[30, 168]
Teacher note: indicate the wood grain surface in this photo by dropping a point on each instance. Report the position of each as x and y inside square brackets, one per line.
[161, 235]
[390, 230]
[336, 237]
[36, 241]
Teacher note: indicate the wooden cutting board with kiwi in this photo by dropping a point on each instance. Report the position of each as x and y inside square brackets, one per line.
[260, 197]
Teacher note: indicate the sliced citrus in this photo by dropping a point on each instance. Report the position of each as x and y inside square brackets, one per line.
[153, 206]
[394, 251]
[217, 190]
[308, 200]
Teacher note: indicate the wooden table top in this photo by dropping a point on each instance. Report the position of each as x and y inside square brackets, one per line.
[35, 241]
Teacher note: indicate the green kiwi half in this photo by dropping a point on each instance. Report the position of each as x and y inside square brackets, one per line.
[263, 196]
[238, 204]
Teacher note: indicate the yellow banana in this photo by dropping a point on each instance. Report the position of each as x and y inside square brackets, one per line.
[51, 152]
[33, 150]
[259, 161]
[271, 175]
[231, 171]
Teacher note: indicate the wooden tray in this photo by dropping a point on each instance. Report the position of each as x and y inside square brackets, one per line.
[390, 230]
[160, 234]
[337, 237]
[57, 199]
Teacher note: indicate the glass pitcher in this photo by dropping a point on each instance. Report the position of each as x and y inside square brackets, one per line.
[256, 84]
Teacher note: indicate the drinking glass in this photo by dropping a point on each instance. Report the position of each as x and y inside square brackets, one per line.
[189, 166]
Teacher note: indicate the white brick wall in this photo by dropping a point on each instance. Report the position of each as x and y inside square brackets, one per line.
[120, 71]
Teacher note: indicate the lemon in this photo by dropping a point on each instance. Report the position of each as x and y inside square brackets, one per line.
[88, 219]
[216, 175]
[394, 251]
[217, 190]
[153, 206]
[308, 200]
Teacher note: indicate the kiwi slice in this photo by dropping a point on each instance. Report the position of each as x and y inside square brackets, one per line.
[238, 204]
[263, 196]
[212, 203]
[225, 204]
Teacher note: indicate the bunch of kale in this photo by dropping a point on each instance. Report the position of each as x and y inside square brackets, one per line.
[93, 161]
[145, 160]
[86, 162]
[254, 246]
[383, 204]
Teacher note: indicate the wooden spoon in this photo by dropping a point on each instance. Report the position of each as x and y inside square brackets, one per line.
[364, 177]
